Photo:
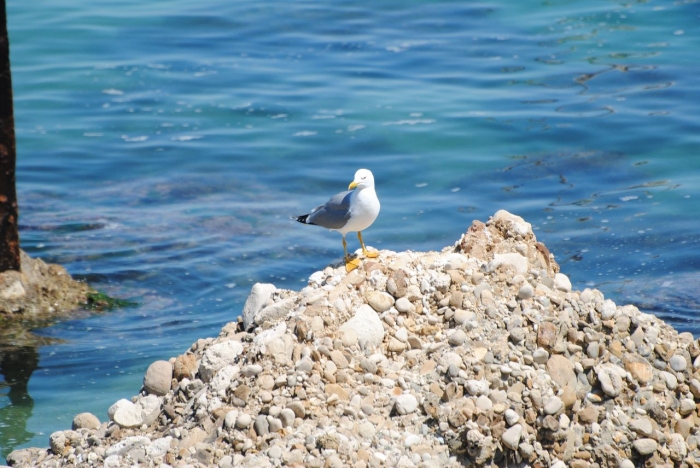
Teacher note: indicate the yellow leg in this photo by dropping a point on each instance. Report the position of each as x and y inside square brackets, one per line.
[349, 264]
[367, 253]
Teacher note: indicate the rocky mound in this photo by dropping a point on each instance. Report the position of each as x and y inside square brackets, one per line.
[479, 355]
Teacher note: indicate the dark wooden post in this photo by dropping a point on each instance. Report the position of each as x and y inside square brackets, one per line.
[9, 235]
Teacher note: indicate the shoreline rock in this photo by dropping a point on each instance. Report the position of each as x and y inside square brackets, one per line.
[478, 355]
[39, 292]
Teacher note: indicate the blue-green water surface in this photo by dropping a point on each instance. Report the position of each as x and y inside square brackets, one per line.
[163, 145]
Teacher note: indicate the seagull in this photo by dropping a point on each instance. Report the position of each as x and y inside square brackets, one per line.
[352, 211]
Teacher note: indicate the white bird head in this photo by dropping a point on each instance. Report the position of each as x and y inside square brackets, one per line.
[363, 179]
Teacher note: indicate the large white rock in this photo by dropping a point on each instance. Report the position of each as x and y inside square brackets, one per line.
[514, 259]
[275, 311]
[366, 325]
[257, 300]
[518, 225]
[406, 404]
[126, 445]
[224, 377]
[217, 357]
[128, 414]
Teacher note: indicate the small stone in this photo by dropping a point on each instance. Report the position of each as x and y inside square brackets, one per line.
[287, 417]
[588, 415]
[553, 405]
[406, 404]
[395, 346]
[380, 301]
[686, 407]
[403, 305]
[243, 421]
[540, 356]
[526, 291]
[610, 381]
[366, 325]
[274, 452]
[511, 417]
[477, 387]
[639, 368]
[517, 334]
[252, 370]
[158, 378]
[304, 365]
[298, 408]
[85, 421]
[511, 437]
[457, 338]
[561, 370]
[339, 359]
[642, 426]
[678, 363]
[608, 310]
[562, 282]
[262, 427]
[547, 335]
[645, 446]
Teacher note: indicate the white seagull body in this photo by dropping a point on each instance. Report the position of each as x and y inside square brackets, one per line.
[350, 211]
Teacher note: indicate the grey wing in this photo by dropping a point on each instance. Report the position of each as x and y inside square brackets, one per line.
[334, 213]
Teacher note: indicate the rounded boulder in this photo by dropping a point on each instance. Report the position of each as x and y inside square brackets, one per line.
[158, 378]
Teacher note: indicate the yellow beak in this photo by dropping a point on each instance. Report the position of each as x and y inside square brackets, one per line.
[352, 185]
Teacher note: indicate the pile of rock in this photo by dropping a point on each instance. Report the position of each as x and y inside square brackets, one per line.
[479, 355]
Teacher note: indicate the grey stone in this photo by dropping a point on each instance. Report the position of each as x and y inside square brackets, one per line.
[645, 446]
[526, 291]
[553, 405]
[457, 338]
[403, 305]
[678, 363]
[158, 378]
[85, 421]
[287, 417]
[610, 381]
[262, 427]
[511, 437]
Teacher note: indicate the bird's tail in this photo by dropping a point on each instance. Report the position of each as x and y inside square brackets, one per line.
[301, 219]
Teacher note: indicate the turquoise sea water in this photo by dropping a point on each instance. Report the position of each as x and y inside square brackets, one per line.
[162, 147]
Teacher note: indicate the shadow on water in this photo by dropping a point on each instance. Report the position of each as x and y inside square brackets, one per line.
[19, 358]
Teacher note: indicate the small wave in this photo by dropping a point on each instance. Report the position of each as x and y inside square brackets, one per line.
[134, 139]
[411, 122]
[186, 138]
[305, 133]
